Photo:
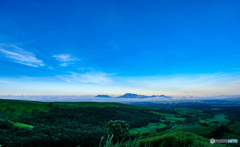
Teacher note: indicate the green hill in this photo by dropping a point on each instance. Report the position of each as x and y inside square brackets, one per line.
[176, 139]
[33, 123]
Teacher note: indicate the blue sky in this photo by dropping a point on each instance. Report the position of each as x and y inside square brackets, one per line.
[94, 47]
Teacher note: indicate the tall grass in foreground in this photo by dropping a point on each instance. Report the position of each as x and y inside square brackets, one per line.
[177, 139]
[109, 143]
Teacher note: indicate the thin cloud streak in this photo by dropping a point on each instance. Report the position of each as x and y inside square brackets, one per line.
[218, 83]
[188, 79]
[190, 97]
[65, 64]
[66, 59]
[88, 77]
[20, 56]
[1, 81]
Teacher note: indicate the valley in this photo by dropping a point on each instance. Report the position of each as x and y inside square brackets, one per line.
[32, 123]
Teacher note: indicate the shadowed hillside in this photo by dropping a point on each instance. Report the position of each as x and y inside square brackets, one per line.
[31, 123]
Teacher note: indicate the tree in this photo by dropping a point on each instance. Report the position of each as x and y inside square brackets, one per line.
[118, 128]
[49, 105]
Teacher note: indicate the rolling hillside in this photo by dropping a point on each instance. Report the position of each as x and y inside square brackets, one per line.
[32, 123]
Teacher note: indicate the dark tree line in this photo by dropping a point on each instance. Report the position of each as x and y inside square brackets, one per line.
[219, 131]
[91, 115]
[70, 127]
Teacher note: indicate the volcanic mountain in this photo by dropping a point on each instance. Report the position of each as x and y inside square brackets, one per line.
[130, 95]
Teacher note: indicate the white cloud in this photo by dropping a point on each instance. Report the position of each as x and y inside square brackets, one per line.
[85, 68]
[69, 81]
[89, 77]
[66, 59]
[20, 56]
[1, 81]
[65, 64]
[190, 97]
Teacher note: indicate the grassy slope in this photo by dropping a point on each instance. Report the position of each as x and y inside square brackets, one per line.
[199, 130]
[235, 128]
[21, 125]
[169, 117]
[221, 118]
[177, 138]
[148, 129]
[30, 105]
[185, 110]
[98, 104]
[22, 107]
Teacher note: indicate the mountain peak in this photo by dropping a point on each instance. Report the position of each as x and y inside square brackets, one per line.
[103, 96]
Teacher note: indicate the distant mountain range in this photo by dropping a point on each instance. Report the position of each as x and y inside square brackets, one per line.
[103, 96]
[130, 95]
[164, 96]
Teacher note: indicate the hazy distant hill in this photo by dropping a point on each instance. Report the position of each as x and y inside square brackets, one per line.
[103, 96]
[164, 96]
[130, 95]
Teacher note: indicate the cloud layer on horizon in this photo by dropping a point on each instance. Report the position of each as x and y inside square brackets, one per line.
[66, 98]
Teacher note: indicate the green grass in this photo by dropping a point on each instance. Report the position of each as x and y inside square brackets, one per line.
[30, 105]
[109, 143]
[148, 129]
[22, 107]
[221, 118]
[189, 110]
[235, 128]
[232, 136]
[169, 117]
[20, 125]
[98, 104]
[198, 130]
[176, 139]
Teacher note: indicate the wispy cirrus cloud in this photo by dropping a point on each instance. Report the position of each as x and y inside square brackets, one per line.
[190, 97]
[65, 64]
[3, 81]
[19, 55]
[85, 68]
[66, 59]
[88, 77]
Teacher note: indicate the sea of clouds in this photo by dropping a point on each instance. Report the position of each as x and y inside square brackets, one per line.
[92, 98]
